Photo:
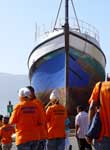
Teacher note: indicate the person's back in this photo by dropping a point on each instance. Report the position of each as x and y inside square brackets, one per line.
[81, 126]
[82, 121]
[26, 117]
[56, 116]
[104, 138]
[6, 132]
[43, 126]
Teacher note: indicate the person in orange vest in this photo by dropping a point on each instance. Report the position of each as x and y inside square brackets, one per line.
[43, 127]
[27, 118]
[103, 142]
[56, 116]
[6, 132]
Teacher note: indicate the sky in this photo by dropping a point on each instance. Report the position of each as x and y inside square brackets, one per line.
[17, 27]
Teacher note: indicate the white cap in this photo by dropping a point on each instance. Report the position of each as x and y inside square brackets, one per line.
[24, 92]
[108, 76]
[55, 95]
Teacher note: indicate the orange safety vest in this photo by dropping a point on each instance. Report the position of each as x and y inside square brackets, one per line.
[43, 127]
[6, 132]
[105, 106]
[27, 118]
[56, 116]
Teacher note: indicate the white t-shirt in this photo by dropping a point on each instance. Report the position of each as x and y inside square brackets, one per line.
[82, 121]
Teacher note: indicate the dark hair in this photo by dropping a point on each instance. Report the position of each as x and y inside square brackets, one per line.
[80, 107]
[5, 119]
[30, 88]
[1, 116]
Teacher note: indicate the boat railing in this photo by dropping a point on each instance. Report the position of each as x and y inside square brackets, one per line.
[80, 27]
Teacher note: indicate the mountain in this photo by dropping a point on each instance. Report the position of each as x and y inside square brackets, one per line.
[9, 85]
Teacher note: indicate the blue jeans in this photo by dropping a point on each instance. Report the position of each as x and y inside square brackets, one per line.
[32, 145]
[42, 145]
[7, 146]
[56, 144]
[104, 144]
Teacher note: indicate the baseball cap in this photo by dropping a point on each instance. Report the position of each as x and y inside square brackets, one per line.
[55, 95]
[24, 92]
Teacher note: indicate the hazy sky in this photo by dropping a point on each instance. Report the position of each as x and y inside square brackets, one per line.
[17, 27]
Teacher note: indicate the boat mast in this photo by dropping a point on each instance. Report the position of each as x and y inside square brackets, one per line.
[66, 31]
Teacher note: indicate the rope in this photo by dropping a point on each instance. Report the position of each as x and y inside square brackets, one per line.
[57, 15]
[75, 15]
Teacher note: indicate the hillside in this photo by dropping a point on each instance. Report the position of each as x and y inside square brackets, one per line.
[9, 85]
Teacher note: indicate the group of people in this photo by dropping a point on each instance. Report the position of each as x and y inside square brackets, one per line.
[40, 128]
[36, 128]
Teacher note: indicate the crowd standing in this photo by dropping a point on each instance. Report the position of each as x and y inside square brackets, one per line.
[47, 128]
[36, 128]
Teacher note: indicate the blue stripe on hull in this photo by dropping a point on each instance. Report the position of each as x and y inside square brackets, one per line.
[50, 74]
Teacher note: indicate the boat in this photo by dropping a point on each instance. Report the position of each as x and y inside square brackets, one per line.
[69, 59]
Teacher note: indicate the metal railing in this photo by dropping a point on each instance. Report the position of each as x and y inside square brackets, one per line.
[85, 28]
